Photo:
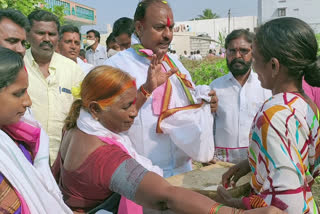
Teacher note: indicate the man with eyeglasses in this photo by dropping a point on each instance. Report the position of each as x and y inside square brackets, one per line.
[240, 96]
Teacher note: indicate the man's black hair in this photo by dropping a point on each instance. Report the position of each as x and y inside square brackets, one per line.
[123, 25]
[95, 32]
[16, 16]
[111, 38]
[43, 15]
[69, 29]
[235, 34]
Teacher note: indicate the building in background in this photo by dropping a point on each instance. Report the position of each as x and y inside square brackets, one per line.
[76, 14]
[189, 42]
[307, 10]
[207, 34]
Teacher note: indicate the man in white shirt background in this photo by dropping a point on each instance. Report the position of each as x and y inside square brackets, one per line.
[240, 96]
[184, 55]
[123, 29]
[112, 45]
[96, 54]
[69, 46]
[198, 55]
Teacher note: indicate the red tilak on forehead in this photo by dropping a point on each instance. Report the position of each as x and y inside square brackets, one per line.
[168, 21]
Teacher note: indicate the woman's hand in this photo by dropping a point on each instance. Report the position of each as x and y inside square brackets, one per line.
[155, 76]
[239, 170]
[224, 197]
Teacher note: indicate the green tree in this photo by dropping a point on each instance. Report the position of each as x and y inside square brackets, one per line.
[58, 11]
[207, 14]
[27, 6]
[221, 39]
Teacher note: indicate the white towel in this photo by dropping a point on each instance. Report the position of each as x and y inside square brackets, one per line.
[192, 129]
[90, 126]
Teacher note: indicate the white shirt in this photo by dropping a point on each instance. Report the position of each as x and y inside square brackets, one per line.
[237, 107]
[185, 56]
[134, 39]
[86, 67]
[198, 57]
[98, 56]
[159, 148]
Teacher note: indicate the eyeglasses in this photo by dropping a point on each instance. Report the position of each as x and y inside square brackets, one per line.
[242, 51]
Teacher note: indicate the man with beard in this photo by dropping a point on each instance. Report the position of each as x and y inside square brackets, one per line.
[240, 96]
[51, 76]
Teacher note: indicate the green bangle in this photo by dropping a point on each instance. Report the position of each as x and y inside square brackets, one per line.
[218, 208]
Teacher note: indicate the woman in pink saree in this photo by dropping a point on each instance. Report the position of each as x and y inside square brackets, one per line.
[26, 183]
[96, 160]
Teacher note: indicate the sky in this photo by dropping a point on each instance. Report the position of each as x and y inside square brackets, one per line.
[108, 11]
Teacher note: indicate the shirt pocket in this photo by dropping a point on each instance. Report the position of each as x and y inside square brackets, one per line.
[227, 106]
[65, 99]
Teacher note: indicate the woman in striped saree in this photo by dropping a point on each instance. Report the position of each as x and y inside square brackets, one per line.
[284, 149]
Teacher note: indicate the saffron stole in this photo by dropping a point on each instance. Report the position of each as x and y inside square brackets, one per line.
[186, 84]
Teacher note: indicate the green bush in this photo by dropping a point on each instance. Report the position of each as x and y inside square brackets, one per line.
[205, 71]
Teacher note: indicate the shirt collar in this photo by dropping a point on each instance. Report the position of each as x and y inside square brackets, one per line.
[54, 62]
[52, 65]
[230, 76]
[97, 49]
[250, 78]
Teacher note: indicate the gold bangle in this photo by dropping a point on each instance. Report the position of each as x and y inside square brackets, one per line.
[144, 92]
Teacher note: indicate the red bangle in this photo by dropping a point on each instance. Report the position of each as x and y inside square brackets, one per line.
[144, 92]
[213, 208]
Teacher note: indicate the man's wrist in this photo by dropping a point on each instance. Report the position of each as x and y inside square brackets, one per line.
[148, 88]
[145, 91]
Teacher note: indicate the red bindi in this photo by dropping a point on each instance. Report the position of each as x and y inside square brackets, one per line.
[168, 21]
